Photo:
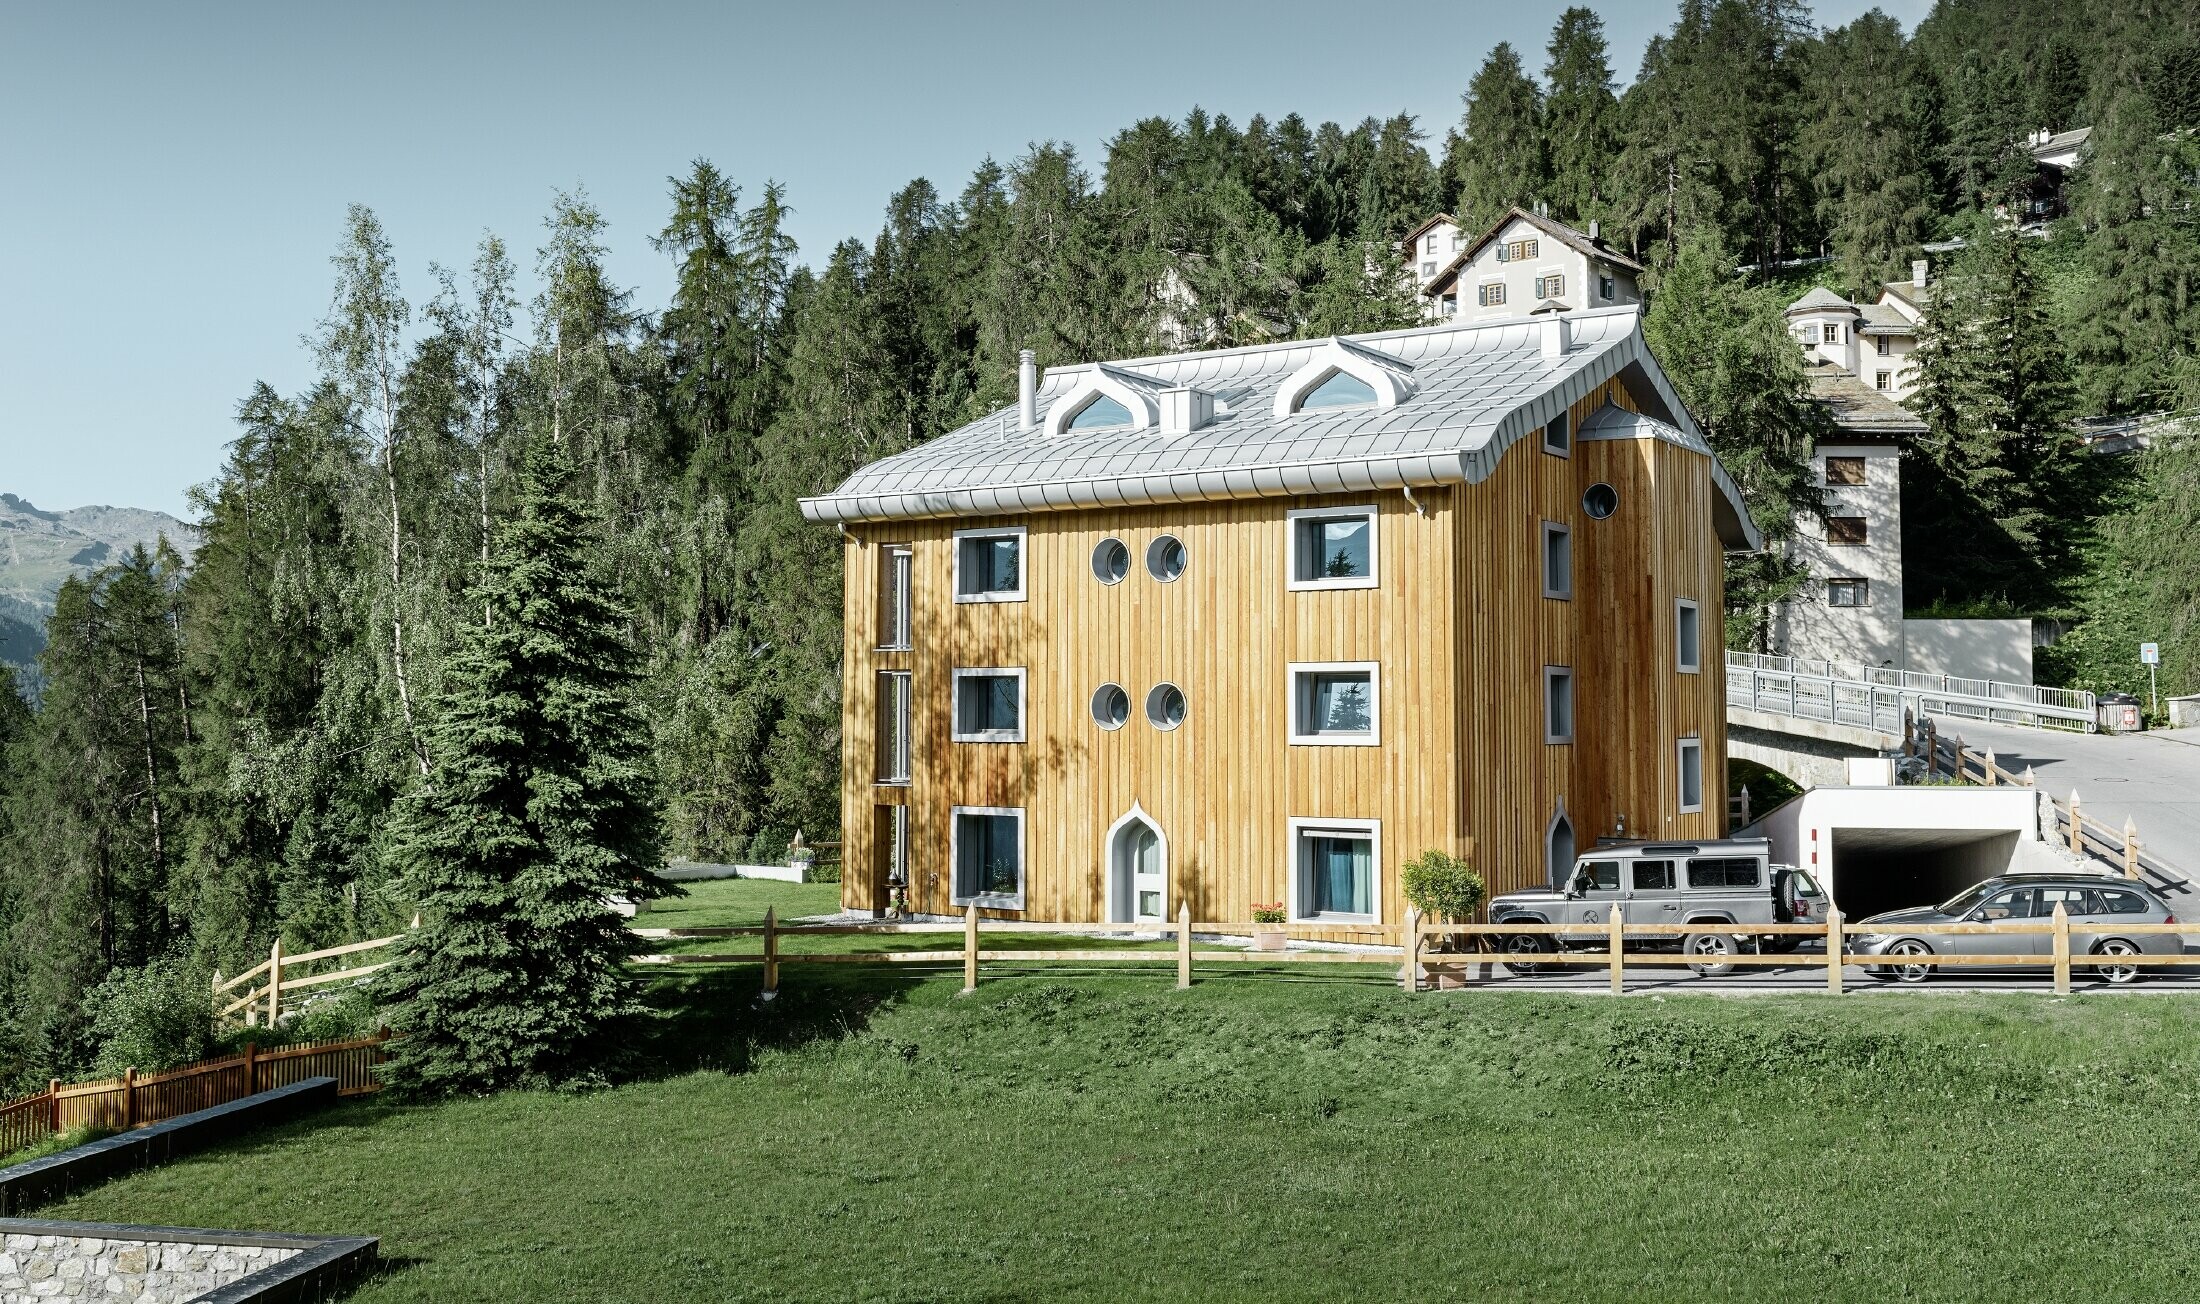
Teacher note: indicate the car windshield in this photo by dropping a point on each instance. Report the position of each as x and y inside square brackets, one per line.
[1962, 903]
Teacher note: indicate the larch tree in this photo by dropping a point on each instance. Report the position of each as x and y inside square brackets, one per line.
[540, 807]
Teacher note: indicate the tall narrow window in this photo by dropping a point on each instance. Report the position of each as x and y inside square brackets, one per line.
[894, 575]
[989, 706]
[988, 853]
[989, 565]
[1558, 704]
[1333, 548]
[1605, 289]
[1687, 637]
[1558, 436]
[1558, 561]
[893, 726]
[1691, 764]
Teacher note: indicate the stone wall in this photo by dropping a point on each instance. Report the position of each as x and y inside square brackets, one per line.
[36, 1269]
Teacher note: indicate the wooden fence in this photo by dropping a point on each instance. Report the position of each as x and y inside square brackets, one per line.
[276, 982]
[1411, 957]
[119, 1104]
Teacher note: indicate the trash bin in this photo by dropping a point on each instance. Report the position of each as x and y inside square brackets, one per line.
[2119, 713]
[2184, 712]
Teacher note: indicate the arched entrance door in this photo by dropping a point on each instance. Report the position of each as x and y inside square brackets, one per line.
[1561, 849]
[1138, 870]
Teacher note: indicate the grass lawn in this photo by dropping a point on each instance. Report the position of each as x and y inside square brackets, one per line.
[1302, 1134]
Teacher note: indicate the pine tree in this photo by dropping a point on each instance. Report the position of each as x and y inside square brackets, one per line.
[1875, 196]
[1580, 114]
[539, 806]
[1500, 159]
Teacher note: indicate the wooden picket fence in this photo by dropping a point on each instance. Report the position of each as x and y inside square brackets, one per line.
[1415, 963]
[119, 1104]
[272, 981]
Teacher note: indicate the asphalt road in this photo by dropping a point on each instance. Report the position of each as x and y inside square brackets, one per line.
[2151, 778]
[1808, 974]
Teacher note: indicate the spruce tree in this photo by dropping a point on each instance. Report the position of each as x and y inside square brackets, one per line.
[1500, 160]
[538, 807]
[1866, 151]
[1580, 115]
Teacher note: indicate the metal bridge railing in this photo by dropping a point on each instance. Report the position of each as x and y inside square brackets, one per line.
[1875, 698]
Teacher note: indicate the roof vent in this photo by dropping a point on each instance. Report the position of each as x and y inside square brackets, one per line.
[1558, 335]
[1184, 409]
[1027, 390]
[1596, 229]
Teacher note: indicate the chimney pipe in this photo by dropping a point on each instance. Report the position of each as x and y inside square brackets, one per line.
[1596, 229]
[1027, 390]
[1558, 336]
[1917, 272]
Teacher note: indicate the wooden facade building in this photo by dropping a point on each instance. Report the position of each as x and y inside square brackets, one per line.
[1261, 625]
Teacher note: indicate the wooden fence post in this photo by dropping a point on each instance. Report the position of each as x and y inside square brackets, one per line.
[129, 1099]
[2077, 827]
[1991, 780]
[2030, 778]
[1183, 945]
[771, 952]
[970, 949]
[53, 1104]
[251, 1068]
[1835, 945]
[275, 983]
[1932, 749]
[1617, 930]
[1409, 973]
[2131, 848]
[2062, 950]
[215, 997]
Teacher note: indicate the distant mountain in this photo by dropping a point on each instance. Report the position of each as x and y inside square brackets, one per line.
[39, 549]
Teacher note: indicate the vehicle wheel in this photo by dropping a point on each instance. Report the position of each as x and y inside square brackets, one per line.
[2117, 973]
[1716, 952]
[1523, 951]
[1908, 968]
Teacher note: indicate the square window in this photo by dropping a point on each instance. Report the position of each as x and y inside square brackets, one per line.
[1884, 380]
[893, 726]
[1653, 876]
[1691, 758]
[1558, 704]
[1832, 333]
[1491, 294]
[1845, 470]
[1336, 874]
[1332, 548]
[1558, 436]
[1847, 531]
[1335, 703]
[1428, 270]
[1550, 287]
[1687, 636]
[989, 565]
[989, 706]
[987, 848]
[895, 566]
[1558, 561]
[1848, 593]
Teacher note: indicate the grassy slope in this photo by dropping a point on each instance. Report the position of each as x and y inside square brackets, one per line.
[873, 1136]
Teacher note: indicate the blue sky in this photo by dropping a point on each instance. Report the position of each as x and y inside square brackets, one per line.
[175, 175]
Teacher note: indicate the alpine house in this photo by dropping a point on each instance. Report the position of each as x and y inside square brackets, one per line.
[1262, 624]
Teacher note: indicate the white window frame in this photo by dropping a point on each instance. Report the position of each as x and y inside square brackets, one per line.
[1374, 550]
[954, 704]
[1543, 559]
[1374, 735]
[1573, 706]
[1023, 563]
[995, 900]
[1370, 829]
[1883, 380]
[1680, 773]
[886, 680]
[1687, 661]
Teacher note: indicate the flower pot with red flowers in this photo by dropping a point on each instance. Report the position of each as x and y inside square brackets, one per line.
[1268, 927]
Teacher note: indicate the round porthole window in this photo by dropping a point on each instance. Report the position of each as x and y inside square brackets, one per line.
[1111, 706]
[1600, 500]
[1111, 561]
[1165, 558]
[1165, 706]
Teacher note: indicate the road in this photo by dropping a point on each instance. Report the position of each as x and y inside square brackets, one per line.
[1809, 975]
[2151, 778]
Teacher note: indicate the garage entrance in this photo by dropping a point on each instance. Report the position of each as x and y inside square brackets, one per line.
[1876, 870]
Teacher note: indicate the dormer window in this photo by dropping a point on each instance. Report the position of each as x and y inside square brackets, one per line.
[1100, 414]
[1342, 390]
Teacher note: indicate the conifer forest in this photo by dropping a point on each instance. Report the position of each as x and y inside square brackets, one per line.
[276, 737]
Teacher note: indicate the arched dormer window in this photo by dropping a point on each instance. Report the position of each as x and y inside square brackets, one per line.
[1103, 398]
[1099, 414]
[1341, 390]
[1344, 375]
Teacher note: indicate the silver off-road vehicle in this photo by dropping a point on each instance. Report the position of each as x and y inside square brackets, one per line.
[1725, 882]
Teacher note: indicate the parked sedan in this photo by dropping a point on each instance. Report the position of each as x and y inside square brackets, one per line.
[2097, 907]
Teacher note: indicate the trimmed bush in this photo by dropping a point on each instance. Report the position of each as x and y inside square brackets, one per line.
[1444, 888]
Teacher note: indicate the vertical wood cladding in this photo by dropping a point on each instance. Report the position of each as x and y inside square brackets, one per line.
[1457, 623]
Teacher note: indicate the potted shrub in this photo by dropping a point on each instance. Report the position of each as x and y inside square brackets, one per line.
[1445, 889]
[1268, 927]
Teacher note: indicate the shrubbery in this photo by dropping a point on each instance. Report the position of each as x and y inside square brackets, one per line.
[151, 1018]
[1444, 887]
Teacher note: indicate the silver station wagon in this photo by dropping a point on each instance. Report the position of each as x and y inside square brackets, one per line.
[2098, 905]
[1732, 881]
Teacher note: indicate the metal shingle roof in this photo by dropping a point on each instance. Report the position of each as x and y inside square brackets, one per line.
[1477, 388]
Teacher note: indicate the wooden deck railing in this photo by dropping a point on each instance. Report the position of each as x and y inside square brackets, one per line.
[1410, 940]
[118, 1104]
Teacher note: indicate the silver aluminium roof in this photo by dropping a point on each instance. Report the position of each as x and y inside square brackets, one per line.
[1470, 391]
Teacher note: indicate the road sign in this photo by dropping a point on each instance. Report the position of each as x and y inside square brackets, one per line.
[2150, 654]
